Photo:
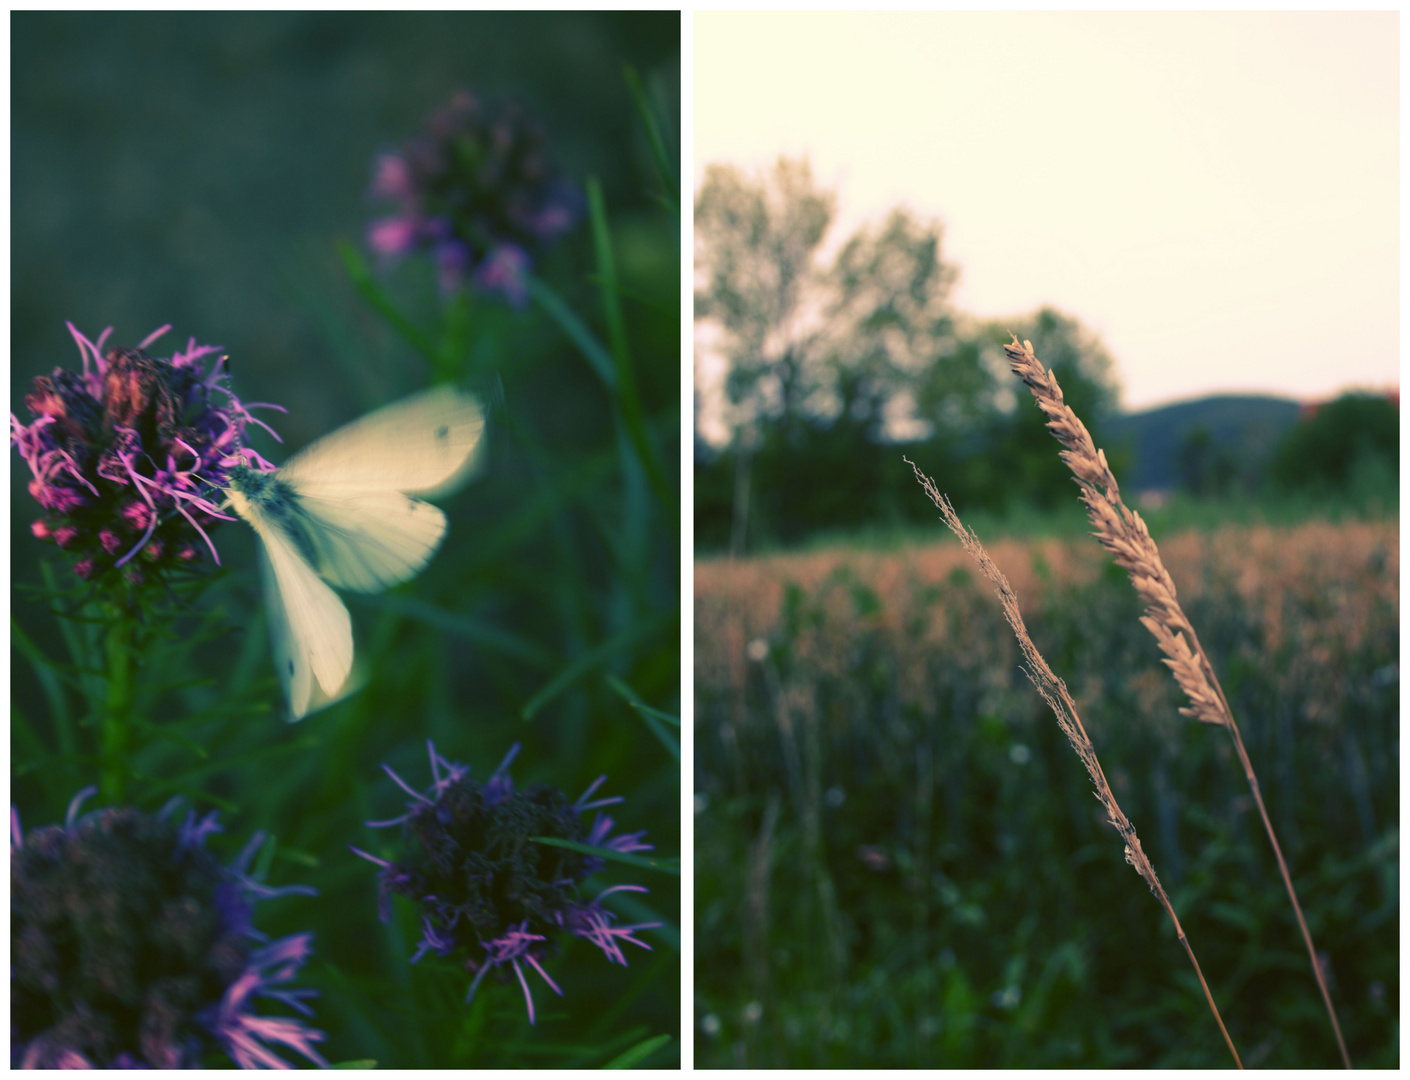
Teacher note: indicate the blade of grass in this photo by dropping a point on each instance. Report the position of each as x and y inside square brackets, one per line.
[362, 280]
[670, 186]
[590, 659]
[630, 1059]
[651, 717]
[666, 866]
[598, 358]
[49, 684]
[628, 403]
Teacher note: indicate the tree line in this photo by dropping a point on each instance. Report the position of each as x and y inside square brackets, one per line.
[836, 365]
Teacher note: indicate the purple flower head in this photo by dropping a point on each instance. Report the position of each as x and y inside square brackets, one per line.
[129, 453]
[474, 190]
[487, 890]
[132, 947]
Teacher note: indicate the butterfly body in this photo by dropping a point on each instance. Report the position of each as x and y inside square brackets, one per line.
[343, 512]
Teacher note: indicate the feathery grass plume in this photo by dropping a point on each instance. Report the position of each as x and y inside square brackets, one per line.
[1054, 692]
[1122, 532]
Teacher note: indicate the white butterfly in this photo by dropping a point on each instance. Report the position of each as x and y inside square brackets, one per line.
[341, 512]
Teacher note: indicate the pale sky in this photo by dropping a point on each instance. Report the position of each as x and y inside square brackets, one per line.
[1215, 194]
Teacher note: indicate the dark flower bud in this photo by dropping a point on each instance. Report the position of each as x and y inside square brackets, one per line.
[132, 947]
[474, 190]
[487, 890]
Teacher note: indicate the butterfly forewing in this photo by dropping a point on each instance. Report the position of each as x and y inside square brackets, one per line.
[417, 445]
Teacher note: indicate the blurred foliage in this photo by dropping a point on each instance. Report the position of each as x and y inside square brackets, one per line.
[201, 169]
[1341, 452]
[815, 475]
[836, 370]
[1350, 445]
[1205, 467]
[757, 248]
[899, 862]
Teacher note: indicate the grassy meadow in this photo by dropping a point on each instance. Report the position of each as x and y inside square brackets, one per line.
[900, 862]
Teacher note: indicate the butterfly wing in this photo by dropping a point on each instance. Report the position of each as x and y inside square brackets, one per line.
[309, 627]
[364, 540]
[424, 444]
[340, 511]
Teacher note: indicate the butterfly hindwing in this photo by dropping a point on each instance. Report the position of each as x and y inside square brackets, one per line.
[366, 541]
[310, 630]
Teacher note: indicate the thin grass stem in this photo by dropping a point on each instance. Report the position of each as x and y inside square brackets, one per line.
[1054, 692]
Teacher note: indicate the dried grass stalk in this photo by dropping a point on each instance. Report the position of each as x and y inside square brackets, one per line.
[1055, 693]
[1122, 532]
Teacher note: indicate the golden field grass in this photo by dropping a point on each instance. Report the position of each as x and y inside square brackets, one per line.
[875, 774]
[1333, 570]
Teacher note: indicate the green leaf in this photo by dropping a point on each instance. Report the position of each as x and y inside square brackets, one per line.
[651, 717]
[366, 285]
[576, 330]
[670, 186]
[593, 657]
[629, 1059]
[666, 866]
[476, 630]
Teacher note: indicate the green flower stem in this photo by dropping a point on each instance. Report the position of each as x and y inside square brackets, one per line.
[117, 712]
[454, 338]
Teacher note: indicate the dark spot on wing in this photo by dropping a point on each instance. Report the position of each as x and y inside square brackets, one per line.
[291, 665]
[442, 431]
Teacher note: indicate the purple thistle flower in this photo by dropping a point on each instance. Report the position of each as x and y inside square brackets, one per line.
[490, 893]
[132, 947]
[128, 455]
[476, 192]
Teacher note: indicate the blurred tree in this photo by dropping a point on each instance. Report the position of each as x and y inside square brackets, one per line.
[756, 249]
[1352, 441]
[891, 325]
[1205, 466]
[1022, 461]
[756, 245]
[835, 371]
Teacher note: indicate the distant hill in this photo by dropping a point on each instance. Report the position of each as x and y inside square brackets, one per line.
[1250, 425]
